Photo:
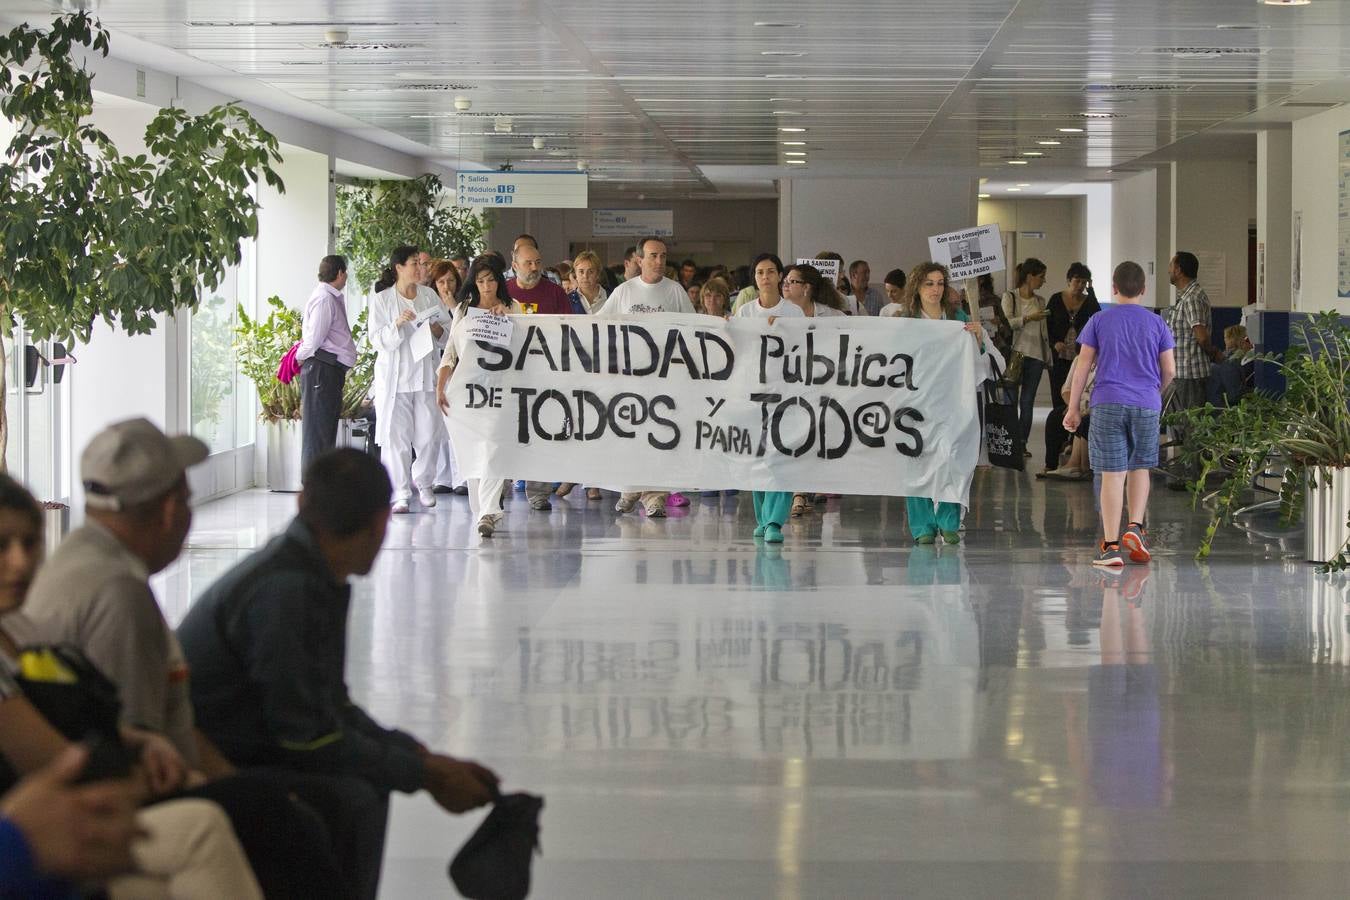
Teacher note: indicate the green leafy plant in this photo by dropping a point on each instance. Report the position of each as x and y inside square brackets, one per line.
[261, 343]
[374, 217]
[88, 233]
[1307, 428]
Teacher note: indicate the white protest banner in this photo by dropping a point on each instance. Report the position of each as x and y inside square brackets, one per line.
[483, 326]
[969, 253]
[666, 400]
[828, 267]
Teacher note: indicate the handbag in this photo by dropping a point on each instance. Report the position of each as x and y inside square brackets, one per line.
[494, 863]
[1003, 428]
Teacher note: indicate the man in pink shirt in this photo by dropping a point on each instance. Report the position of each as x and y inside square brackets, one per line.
[326, 352]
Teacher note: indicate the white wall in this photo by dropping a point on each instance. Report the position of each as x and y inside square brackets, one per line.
[1274, 162]
[1315, 192]
[886, 222]
[1134, 233]
[293, 227]
[1061, 220]
[1214, 207]
[730, 232]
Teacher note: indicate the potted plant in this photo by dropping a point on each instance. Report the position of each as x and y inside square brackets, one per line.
[259, 346]
[1306, 429]
[89, 233]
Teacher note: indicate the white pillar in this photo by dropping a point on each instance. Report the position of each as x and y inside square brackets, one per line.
[1274, 204]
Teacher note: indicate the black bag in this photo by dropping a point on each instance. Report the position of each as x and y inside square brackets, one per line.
[494, 863]
[1003, 427]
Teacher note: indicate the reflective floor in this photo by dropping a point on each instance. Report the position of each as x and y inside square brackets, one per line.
[848, 716]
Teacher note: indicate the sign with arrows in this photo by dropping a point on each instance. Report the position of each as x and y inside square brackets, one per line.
[522, 190]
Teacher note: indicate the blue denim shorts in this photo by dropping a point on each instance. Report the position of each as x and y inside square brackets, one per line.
[1122, 438]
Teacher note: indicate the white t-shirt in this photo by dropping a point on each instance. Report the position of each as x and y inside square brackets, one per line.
[637, 296]
[892, 309]
[823, 312]
[755, 310]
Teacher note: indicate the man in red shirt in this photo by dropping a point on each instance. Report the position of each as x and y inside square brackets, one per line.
[530, 288]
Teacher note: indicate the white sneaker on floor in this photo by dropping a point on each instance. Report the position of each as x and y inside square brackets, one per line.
[426, 498]
[401, 507]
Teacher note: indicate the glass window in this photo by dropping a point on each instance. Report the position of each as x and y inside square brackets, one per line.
[222, 400]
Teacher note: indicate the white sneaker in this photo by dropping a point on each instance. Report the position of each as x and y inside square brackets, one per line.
[401, 507]
[426, 498]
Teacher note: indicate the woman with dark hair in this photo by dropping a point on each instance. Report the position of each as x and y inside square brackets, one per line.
[769, 301]
[991, 316]
[1026, 313]
[894, 285]
[443, 278]
[484, 289]
[927, 297]
[806, 287]
[1069, 311]
[405, 406]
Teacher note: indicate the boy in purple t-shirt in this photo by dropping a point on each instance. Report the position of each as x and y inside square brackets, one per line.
[1132, 347]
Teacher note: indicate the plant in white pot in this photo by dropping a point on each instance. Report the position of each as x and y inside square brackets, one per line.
[1306, 430]
[259, 346]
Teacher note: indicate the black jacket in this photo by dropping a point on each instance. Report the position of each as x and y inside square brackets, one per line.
[267, 648]
[1059, 319]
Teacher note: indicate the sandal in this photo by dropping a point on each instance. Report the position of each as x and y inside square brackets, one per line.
[592, 493]
[800, 506]
[564, 489]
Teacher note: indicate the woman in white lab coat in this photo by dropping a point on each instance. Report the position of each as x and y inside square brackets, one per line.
[406, 418]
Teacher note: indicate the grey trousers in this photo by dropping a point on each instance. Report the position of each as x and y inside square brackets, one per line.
[320, 404]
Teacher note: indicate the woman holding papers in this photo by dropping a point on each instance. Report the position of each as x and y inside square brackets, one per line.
[405, 320]
[928, 298]
[485, 290]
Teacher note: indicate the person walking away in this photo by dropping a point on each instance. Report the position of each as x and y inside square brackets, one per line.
[1132, 349]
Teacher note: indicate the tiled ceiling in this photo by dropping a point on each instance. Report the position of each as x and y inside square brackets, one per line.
[655, 97]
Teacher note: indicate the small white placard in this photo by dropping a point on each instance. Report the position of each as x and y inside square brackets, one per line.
[969, 252]
[484, 326]
[633, 223]
[828, 267]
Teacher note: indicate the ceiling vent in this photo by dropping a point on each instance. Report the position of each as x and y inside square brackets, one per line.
[1208, 52]
[364, 46]
[1135, 87]
[434, 86]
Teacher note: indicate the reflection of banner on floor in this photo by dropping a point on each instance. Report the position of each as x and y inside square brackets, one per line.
[844, 405]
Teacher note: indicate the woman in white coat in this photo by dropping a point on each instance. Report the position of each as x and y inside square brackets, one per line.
[406, 418]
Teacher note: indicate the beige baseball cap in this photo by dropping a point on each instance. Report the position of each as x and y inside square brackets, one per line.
[133, 461]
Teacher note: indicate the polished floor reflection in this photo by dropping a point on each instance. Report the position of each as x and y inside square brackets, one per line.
[849, 716]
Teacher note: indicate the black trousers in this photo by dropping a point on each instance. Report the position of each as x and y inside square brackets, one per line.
[288, 844]
[1056, 437]
[321, 383]
[1059, 375]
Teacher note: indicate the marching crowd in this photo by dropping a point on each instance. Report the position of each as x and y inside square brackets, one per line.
[226, 758]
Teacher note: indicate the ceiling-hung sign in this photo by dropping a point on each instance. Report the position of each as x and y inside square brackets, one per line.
[632, 223]
[522, 190]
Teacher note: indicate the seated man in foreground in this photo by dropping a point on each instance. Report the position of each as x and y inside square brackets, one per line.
[267, 646]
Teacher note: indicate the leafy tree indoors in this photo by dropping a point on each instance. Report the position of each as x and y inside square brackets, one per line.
[87, 233]
[374, 217]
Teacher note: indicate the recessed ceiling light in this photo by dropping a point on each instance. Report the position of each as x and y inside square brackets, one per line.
[781, 53]
[1017, 162]
[795, 162]
[432, 116]
[984, 196]
[786, 100]
[1069, 130]
[1242, 26]
[794, 143]
[1024, 184]
[1049, 143]
[778, 24]
[792, 130]
[787, 112]
[794, 152]
[1287, 2]
[1013, 190]
[1032, 153]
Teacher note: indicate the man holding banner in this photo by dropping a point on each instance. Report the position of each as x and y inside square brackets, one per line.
[650, 292]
